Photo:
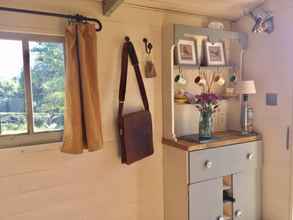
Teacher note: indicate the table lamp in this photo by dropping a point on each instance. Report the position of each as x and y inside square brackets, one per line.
[245, 88]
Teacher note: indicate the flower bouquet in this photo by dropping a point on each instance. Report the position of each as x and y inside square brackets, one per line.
[206, 103]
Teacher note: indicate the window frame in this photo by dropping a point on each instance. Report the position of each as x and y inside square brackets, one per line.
[30, 138]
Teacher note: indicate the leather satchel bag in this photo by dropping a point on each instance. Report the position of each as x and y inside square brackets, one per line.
[135, 129]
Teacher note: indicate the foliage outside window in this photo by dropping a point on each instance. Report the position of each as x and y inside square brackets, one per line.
[31, 89]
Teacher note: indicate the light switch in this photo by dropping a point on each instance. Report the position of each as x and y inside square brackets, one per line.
[272, 99]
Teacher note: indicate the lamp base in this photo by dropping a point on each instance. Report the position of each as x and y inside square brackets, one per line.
[244, 115]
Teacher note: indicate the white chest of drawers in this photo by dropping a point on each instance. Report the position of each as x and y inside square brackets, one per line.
[194, 182]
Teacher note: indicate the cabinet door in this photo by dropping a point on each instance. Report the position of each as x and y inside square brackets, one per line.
[206, 200]
[247, 194]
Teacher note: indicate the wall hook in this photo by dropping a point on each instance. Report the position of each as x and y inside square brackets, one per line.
[148, 46]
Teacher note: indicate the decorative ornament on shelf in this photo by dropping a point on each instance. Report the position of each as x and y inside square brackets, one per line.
[206, 103]
[215, 53]
[186, 52]
[200, 40]
[216, 25]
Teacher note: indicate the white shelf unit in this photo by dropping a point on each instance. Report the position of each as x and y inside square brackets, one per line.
[174, 32]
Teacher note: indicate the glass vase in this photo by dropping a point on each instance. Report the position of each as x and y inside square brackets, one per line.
[205, 126]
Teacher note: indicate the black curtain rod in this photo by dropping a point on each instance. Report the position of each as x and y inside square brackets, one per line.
[77, 17]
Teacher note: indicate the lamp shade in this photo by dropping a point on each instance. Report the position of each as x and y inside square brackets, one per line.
[245, 87]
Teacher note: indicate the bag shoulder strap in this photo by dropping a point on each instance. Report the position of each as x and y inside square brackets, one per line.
[129, 50]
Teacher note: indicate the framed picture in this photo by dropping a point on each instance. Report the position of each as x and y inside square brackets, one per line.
[215, 53]
[186, 53]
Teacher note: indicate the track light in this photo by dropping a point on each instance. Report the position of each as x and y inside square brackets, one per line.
[264, 21]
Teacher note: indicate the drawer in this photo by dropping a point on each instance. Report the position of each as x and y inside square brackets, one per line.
[213, 163]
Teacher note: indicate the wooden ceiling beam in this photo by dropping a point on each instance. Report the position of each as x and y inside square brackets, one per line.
[109, 6]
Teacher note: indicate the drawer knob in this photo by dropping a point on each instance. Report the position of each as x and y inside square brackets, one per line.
[238, 213]
[208, 164]
[250, 156]
[221, 218]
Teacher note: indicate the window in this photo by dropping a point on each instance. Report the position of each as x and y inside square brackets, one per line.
[31, 89]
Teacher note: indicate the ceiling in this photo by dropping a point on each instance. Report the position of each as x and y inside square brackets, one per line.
[229, 9]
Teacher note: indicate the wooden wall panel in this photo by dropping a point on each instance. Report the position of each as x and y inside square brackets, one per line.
[39, 182]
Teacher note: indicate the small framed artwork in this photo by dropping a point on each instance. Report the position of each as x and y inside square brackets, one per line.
[215, 53]
[186, 53]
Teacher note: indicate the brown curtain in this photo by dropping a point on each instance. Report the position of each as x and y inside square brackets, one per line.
[82, 117]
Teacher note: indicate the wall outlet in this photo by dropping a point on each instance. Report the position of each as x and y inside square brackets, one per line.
[272, 99]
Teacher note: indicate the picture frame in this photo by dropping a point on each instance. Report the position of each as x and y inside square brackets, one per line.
[186, 52]
[215, 53]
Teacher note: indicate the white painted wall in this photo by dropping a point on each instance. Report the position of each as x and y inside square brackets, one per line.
[268, 61]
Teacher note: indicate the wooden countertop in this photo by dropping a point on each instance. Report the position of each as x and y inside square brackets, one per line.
[224, 138]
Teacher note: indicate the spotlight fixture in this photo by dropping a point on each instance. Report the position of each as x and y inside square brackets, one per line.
[264, 21]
